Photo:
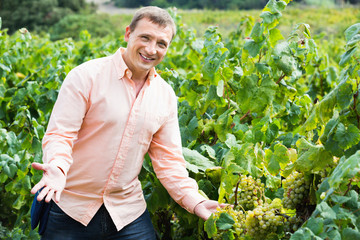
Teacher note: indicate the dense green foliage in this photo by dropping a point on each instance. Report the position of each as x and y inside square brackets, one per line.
[37, 14]
[190, 4]
[258, 103]
[224, 4]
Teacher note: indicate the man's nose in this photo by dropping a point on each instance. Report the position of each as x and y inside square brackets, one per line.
[151, 49]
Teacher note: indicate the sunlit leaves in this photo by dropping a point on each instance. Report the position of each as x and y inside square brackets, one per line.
[347, 168]
[253, 104]
[283, 58]
[274, 36]
[277, 159]
[195, 161]
[256, 94]
[346, 57]
[312, 157]
[351, 34]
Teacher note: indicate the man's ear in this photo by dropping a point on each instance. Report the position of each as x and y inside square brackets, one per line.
[127, 34]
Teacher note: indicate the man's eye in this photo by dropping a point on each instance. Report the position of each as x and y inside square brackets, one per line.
[162, 45]
[145, 38]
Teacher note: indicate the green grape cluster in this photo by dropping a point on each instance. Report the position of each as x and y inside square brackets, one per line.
[263, 221]
[296, 189]
[250, 193]
[292, 224]
[238, 217]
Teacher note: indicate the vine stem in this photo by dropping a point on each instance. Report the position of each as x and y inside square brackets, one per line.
[357, 60]
[236, 193]
[226, 91]
[281, 78]
[260, 56]
[356, 211]
[245, 115]
[355, 103]
[348, 187]
[283, 215]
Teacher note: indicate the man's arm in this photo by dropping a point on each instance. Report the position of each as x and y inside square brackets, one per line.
[169, 165]
[64, 124]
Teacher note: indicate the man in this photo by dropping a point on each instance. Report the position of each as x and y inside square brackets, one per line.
[109, 113]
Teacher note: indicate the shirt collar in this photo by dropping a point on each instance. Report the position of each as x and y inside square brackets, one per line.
[123, 70]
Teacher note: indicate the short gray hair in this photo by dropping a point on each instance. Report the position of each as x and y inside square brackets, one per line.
[155, 15]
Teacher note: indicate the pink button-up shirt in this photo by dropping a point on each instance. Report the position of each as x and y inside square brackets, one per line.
[99, 132]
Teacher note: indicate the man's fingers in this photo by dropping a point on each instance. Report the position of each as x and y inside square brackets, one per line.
[57, 196]
[49, 195]
[37, 187]
[222, 205]
[38, 166]
[43, 193]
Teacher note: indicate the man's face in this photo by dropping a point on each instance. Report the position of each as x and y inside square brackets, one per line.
[147, 45]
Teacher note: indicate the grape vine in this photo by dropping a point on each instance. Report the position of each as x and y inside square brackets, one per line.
[269, 119]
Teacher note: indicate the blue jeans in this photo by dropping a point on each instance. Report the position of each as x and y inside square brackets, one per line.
[62, 227]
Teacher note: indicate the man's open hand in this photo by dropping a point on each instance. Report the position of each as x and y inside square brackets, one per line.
[52, 182]
[206, 208]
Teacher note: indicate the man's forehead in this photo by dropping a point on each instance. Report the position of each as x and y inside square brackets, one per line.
[148, 27]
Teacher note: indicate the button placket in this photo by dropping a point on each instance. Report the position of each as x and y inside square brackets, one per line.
[125, 144]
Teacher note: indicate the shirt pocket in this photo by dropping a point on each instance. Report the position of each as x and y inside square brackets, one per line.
[151, 124]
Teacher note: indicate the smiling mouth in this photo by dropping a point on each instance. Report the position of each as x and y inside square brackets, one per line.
[146, 58]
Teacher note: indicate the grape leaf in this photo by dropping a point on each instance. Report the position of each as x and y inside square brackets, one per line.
[231, 141]
[315, 225]
[285, 63]
[303, 234]
[326, 211]
[275, 6]
[262, 68]
[196, 161]
[244, 156]
[352, 31]
[257, 32]
[347, 168]
[350, 234]
[347, 137]
[346, 57]
[255, 96]
[277, 159]
[334, 235]
[274, 36]
[228, 235]
[209, 150]
[222, 125]
[311, 157]
[225, 221]
[354, 40]
[344, 95]
[253, 47]
[269, 18]
[210, 226]
[198, 45]
[323, 110]
[229, 176]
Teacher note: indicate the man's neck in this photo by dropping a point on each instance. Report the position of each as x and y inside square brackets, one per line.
[139, 77]
[138, 84]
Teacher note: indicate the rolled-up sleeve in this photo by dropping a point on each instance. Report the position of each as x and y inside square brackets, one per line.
[65, 120]
[169, 164]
